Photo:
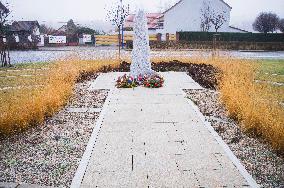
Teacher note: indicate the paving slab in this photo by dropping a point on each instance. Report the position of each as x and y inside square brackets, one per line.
[8, 185]
[17, 185]
[154, 138]
[32, 186]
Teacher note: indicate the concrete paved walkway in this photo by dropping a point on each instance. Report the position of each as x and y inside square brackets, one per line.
[154, 138]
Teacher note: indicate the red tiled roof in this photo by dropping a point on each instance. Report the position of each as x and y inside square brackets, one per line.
[152, 20]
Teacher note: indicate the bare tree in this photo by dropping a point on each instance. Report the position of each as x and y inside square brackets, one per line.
[218, 19]
[266, 22]
[117, 15]
[281, 25]
[206, 16]
[4, 48]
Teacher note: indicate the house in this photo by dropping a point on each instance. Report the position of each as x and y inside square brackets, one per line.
[62, 32]
[187, 15]
[26, 27]
[26, 33]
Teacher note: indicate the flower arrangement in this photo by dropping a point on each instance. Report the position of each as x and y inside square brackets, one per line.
[140, 79]
[154, 81]
[126, 81]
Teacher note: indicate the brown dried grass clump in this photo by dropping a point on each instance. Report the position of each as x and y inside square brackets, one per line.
[22, 108]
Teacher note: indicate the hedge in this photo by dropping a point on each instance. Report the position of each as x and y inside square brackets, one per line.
[241, 37]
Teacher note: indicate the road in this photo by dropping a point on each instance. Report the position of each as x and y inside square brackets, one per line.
[47, 54]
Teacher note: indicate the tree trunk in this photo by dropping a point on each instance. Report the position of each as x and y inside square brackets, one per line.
[9, 59]
[5, 55]
[119, 42]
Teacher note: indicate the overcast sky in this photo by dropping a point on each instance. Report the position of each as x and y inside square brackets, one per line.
[242, 15]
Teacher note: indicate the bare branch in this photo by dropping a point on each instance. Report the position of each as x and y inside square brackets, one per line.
[117, 14]
[218, 19]
[206, 16]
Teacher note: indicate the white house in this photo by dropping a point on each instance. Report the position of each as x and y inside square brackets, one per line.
[186, 15]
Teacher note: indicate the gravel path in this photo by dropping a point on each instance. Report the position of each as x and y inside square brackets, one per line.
[49, 154]
[265, 166]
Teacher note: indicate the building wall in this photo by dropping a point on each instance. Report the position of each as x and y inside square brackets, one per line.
[186, 16]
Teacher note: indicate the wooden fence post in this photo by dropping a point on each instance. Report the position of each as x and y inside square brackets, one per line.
[159, 37]
[177, 37]
[167, 37]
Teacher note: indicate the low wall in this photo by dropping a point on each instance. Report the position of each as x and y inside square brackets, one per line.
[233, 45]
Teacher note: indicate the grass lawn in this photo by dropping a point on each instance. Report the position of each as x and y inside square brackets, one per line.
[271, 70]
[23, 75]
[29, 65]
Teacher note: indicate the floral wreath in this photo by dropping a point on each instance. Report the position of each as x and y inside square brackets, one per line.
[152, 81]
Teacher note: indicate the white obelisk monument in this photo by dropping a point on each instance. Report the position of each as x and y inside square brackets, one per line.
[141, 64]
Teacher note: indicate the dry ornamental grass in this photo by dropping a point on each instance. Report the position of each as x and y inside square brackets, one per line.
[255, 106]
[21, 108]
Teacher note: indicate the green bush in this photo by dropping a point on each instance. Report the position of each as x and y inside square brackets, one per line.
[241, 37]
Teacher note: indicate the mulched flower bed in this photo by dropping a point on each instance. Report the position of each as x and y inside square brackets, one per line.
[50, 154]
[205, 75]
[258, 158]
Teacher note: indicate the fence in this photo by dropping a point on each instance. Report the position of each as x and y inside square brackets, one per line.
[222, 45]
[113, 39]
[172, 37]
